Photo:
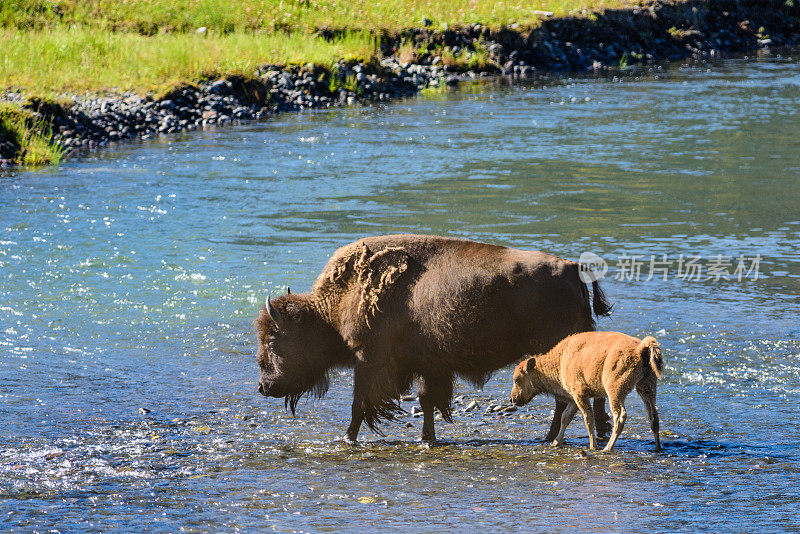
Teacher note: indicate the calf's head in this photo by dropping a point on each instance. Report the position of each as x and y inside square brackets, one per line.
[525, 385]
[296, 348]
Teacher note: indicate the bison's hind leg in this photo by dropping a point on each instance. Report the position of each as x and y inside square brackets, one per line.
[434, 392]
[601, 419]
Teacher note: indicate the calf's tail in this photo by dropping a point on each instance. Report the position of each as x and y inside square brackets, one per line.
[650, 351]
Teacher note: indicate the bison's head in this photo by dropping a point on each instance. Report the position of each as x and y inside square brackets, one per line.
[525, 386]
[296, 348]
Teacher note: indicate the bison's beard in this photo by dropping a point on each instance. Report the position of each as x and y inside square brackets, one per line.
[317, 390]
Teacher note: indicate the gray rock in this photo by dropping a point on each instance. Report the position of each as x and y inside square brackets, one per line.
[220, 87]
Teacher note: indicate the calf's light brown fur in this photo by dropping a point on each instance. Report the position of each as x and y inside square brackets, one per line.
[592, 365]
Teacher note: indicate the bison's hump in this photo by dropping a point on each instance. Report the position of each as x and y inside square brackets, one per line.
[357, 268]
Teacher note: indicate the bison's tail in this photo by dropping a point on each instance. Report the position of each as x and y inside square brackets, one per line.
[650, 351]
[600, 304]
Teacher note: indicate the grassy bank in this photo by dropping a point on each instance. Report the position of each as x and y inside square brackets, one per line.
[150, 17]
[75, 46]
[96, 45]
[61, 48]
[91, 59]
[27, 136]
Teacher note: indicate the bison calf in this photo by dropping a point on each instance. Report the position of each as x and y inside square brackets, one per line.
[593, 365]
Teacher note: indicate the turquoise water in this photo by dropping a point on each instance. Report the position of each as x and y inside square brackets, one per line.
[129, 280]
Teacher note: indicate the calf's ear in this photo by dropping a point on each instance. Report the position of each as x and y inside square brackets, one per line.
[530, 365]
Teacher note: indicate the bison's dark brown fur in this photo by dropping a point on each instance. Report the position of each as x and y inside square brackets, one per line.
[407, 308]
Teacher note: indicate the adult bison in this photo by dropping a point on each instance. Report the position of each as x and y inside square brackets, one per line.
[405, 308]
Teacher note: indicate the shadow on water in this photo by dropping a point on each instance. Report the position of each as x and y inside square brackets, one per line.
[676, 448]
[711, 449]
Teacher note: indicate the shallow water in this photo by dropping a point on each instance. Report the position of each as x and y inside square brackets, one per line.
[130, 279]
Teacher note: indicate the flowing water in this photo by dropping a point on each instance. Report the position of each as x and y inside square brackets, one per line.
[129, 280]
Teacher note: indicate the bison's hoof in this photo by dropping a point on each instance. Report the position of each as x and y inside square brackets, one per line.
[351, 440]
[557, 443]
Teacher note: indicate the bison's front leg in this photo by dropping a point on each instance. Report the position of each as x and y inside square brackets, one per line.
[356, 418]
[358, 413]
[428, 409]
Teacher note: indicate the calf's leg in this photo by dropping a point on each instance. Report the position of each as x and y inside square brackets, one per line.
[618, 411]
[648, 395]
[588, 419]
[569, 411]
[555, 425]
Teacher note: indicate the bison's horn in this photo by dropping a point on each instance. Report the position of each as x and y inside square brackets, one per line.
[271, 311]
[288, 290]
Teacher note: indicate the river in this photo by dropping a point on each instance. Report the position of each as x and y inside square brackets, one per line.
[129, 280]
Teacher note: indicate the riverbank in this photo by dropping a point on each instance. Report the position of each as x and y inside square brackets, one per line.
[403, 62]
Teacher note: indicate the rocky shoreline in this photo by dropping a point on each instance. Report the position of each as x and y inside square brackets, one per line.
[614, 39]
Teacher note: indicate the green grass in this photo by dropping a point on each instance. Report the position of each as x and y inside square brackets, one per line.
[90, 59]
[348, 83]
[141, 45]
[73, 46]
[155, 16]
[31, 134]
